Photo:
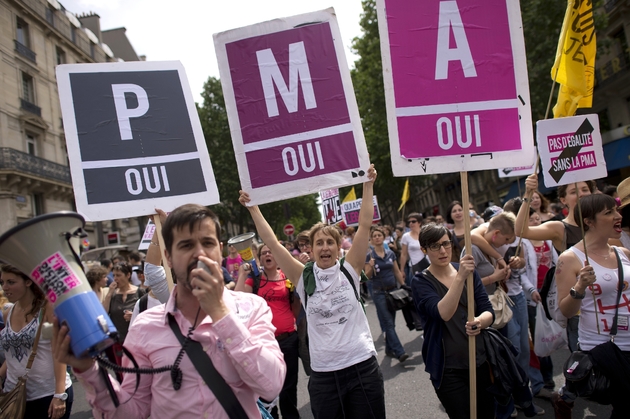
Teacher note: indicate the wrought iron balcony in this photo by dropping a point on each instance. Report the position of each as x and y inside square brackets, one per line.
[12, 159]
[30, 107]
[611, 69]
[25, 51]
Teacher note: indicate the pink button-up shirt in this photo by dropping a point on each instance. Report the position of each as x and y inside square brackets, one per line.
[242, 348]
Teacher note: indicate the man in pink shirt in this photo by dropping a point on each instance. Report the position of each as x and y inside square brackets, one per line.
[233, 328]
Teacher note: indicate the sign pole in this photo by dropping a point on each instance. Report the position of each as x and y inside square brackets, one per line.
[472, 360]
[158, 233]
[581, 223]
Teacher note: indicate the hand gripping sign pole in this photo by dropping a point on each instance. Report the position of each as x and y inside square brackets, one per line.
[470, 296]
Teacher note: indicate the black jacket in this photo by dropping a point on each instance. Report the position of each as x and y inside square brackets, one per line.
[509, 377]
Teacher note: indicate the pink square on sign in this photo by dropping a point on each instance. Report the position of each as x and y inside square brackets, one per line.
[316, 42]
[413, 38]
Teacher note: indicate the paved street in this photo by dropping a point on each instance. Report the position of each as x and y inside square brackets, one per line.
[408, 390]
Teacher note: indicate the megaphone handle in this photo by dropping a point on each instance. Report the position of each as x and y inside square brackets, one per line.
[68, 236]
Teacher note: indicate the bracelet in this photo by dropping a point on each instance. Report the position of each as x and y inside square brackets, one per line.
[526, 199]
[155, 244]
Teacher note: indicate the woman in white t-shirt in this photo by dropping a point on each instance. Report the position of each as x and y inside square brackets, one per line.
[594, 293]
[346, 380]
[410, 246]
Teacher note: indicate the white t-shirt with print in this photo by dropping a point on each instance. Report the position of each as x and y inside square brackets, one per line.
[338, 330]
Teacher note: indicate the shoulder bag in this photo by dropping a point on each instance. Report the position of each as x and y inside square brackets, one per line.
[584, 377]
[13, 403]
[501, 306]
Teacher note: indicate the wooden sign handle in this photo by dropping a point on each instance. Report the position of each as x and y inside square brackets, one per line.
[158, 233]
[470, 288]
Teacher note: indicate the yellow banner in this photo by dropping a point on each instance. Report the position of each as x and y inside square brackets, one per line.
[405, 195]
[352, 196]
[574, 67]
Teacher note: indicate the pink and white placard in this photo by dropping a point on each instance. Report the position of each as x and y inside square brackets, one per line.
[293, 115]
[570, 150]
[456, 85]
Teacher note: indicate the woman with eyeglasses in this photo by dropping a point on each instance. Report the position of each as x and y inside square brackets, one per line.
[273, 285]
[381, 267]
[410, 247]
[441, 299]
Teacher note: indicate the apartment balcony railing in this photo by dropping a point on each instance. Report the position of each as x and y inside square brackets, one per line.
[25, 51]
[11, 159]
[30, 107]
[609, 5]
[611, 69]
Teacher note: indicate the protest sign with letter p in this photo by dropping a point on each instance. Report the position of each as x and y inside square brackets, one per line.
[134, 139]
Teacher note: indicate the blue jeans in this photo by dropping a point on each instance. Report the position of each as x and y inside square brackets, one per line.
[518, 331]
[387, 319]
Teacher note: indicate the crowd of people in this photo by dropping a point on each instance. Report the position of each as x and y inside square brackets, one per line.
[312, 311]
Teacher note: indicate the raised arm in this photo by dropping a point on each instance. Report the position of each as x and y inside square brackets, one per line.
[291, 267]
[448, 304]
[356, 254]
[551, 230]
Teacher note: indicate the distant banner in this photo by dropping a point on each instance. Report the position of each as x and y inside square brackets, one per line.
[147, 237]
[516, 171]
[351, 209]
[570, 150]
[456, 87]
[293, 115]
[331, 206]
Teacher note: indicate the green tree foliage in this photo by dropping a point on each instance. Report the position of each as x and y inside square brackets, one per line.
[302, 212]
[367, 77]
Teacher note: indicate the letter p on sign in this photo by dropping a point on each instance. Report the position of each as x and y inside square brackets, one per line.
[123, 113]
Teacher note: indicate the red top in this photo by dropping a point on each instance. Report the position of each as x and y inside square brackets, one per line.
[544, 259]
[276, 293]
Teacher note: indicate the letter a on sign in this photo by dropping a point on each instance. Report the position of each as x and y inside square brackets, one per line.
[456, 88]
[293, 117]
[451, 19]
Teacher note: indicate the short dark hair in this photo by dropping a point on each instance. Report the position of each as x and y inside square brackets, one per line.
[432, 233]
[135, 256]
[123, 267]
[449, 209]
[415, 215]
[187, 215]
[303, 237]
[593, 204]
[380, 229]
[106, 263]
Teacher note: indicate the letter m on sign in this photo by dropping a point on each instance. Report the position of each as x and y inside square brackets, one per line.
[270, 75]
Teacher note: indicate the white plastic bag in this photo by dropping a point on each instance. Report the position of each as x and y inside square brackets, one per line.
[550, 336]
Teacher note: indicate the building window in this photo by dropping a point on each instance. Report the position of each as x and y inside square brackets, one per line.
[31, 144]
[604, 120]
[73, 34]
[22, 33]
[38, 204]
[50, 16]
[61, 56]
[28, 90]
[92, 50]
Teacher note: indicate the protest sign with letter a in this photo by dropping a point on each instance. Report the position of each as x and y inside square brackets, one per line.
[456, 87]
[331, 206]
[293, 115]
[570, 150]
[134, 139]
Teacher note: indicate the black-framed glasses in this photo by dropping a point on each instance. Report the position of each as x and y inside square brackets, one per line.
[303, 245]
[435, 247]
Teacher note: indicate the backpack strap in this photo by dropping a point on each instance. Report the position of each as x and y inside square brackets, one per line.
[143, 304]
[349, 277]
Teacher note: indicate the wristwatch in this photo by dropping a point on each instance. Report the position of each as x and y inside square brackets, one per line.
[61, 396]
[575, 295]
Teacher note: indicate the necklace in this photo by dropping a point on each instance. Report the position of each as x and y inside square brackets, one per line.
[602, 256]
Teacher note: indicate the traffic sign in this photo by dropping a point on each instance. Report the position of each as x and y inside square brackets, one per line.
[288, 229]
